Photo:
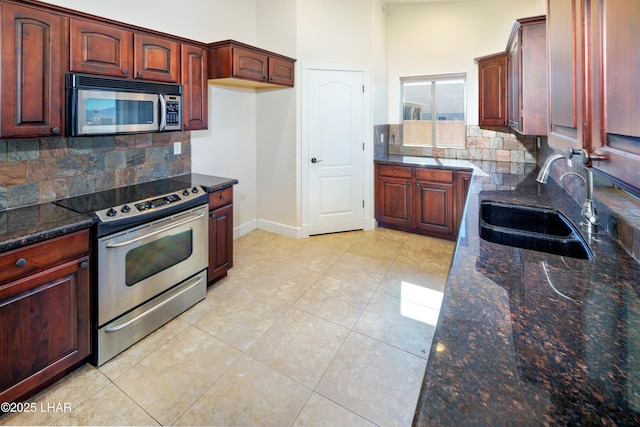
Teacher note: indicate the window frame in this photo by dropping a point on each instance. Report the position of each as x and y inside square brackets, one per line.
[434, 79]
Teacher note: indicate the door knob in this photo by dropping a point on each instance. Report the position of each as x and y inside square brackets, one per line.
[314, 160]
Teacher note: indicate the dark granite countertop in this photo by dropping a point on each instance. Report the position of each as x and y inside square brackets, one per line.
[212, 183]
[528, 338]
[33, 224]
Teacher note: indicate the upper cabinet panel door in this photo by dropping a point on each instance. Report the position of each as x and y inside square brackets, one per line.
[250, 64]
[566, 74]
[194, 79]
[32, 89]
[281, 72]
[100, 49]
[620, 101]
[156, 58]
[492, 90]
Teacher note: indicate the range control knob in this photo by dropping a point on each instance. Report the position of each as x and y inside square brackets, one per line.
[125, 209]
[112, 212]
[194, 190]
[185, 193]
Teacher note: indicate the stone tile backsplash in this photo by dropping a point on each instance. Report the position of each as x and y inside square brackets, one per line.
[482, 144]
[42, 170]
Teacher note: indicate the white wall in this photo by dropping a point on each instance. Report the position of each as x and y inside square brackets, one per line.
[278, 176]
[445, 37]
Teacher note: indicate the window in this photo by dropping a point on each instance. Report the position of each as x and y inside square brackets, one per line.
[433, 110]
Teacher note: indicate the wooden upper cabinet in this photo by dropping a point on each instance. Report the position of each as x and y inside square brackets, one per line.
[97, 48]
[281, 71]
[232, 63]
[194, 80]
[564, 19]
[249, 64]
[619, 101]
[156, 58]
[527, 96]
[513, 85]
[492, 90]
[32, 75]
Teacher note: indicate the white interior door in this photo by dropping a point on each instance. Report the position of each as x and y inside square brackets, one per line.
[336, 151]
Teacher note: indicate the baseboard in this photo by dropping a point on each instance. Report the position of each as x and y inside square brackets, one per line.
[282, 229]
[243, 229]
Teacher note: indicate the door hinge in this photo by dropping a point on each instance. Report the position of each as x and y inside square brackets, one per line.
[363, 146]
[362, 88]
[363, 203]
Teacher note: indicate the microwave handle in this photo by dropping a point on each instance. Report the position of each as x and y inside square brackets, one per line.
[163, 112]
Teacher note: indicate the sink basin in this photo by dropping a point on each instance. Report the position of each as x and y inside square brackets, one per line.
[530, 227]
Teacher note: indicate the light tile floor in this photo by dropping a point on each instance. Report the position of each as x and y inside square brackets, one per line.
[330, 330]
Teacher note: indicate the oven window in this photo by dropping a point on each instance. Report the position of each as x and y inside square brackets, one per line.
[156, 256]
[102, 111]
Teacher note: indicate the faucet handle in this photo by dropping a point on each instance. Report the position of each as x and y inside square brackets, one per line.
[585, 156]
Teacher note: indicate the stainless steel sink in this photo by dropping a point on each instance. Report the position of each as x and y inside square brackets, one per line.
[531, 227]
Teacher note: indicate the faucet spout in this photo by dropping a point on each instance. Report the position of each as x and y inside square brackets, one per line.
[543, 175]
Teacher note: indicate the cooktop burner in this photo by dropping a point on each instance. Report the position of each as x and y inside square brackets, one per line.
[123, 207]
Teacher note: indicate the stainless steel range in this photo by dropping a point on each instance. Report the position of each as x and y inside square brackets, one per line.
[151, 256]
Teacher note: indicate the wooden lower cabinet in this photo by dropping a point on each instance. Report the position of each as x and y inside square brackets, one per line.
[44, 314]
[420, 200]
[220, 234]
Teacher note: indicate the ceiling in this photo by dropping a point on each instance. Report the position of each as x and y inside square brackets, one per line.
[418, 1]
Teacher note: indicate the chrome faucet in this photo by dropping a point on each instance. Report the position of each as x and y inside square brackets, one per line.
[543, 175]
[588, 213]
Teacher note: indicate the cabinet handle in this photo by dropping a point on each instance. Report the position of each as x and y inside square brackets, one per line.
[21, 262]
[408, 182]
[84, 265]
[125, 72]
[222, 197]
[139, 73]
[395, 171]
[433, 175]
[55, 131]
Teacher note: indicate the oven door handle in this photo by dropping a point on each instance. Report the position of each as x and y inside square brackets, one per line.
[158, 231]
[116, 328]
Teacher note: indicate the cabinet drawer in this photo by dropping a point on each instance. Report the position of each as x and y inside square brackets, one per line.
[438, 175]
[220, 198]
[31, 259]
[394, 171]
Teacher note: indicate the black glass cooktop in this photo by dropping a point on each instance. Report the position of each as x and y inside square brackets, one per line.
[89, 204]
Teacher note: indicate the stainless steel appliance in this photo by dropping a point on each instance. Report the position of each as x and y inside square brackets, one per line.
[151, 256]
[101, 106]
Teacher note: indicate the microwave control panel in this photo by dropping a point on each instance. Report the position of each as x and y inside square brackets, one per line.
[173, 112]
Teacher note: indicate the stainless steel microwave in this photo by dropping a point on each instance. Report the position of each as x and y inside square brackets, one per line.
[106, 106]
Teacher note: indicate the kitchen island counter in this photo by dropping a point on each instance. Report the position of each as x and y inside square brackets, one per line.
[529, 338]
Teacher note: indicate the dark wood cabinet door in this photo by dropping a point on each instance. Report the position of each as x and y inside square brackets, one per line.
[566, 74]
[220, 242]
[97, 48]
[156, 58]
[281, 72]
[620, 92]
[250, 64]
[194, 80]
[514, 108]
[44, 328]
[394, 201]
[434, 208]
[492, 81]
[32, 82]
[462, 186]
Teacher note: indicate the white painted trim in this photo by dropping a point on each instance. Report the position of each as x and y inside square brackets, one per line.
[282, 229]
[243, 229]
[367, 167]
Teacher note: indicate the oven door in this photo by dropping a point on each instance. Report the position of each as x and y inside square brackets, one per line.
[139, 264]
[100, 112]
